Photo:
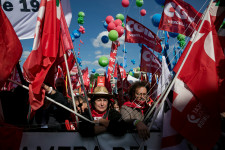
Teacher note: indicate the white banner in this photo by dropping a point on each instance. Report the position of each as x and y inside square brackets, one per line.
[23, 15]
[73, 141]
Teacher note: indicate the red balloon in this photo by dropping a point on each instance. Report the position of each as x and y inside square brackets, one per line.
[109, 19]
[125, 3]
[143, 12]
[111, 26]
[120, 30]
[118, 22]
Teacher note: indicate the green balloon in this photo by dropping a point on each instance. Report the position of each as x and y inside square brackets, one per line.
[182, 44]
[120, 16]
[123, 25]
[81, 14]
[103, 61]
[139, 3]
[138, 69]
[181, 37]
[131, 73]
[96, 75]
[80, 20]
[113, 35]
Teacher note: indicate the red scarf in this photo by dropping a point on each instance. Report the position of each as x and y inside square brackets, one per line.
[97, 115]
[137, 104]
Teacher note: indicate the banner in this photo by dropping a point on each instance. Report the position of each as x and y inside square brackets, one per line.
[138, 33]
[179, 17]
[149, 62]
[112, 58]
[73, 141]
[101, 81]
[23, 15]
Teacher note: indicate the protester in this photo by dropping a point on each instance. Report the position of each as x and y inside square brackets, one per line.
[81, 104]
[106, 119]
[137, 107]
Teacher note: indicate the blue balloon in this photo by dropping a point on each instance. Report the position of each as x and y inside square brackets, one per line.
[156, 19]
[133, 61]
[76, 34]
[131, 70]
[72, 37]
[121, 64]
[173, 35]
[160, 2]
[105, 39]
[105, 25]
[140, 44]
[93, 71]
[124, 50]
[178, 47]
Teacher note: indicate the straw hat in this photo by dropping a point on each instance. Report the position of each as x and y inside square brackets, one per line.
[100, 91]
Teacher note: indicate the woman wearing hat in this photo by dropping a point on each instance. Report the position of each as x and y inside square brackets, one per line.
[106, 119]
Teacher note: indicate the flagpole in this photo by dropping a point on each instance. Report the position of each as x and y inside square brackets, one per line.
[71, 90]
[82, 84]
[166, 92]
[52, 100]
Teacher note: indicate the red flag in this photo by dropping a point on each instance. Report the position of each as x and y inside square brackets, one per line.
[11, 48]
[86, 78]
[112, 58]
[179, 17]
[108, 84]
[149, 62]
[123, 73]
[101, 81]
[45, 50]
[138, 33]
[196, 104]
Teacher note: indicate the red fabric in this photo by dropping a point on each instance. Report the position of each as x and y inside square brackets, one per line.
[179, 17]
[142, 35]
[101, 81]
[97, 115]
[137, 104]
[108, 84]
[10, 138]
[195, 113]
[112, 58]
[43, 55]
[149, 62]
[11, 48]
[86, 78]
[122, 71]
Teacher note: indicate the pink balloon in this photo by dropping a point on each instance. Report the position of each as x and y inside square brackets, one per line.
[109, 19]
[120, 30]
[143, 12]
[125, 3]
[118, 22]
[111, 26]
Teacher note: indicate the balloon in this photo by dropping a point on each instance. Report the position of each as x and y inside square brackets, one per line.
[181, 37]
[72, 37]
[133, 61]
[96, 75]
[103, 61]
[118, 22]
[138, 69]
[131, 70]
[139, 3]
[131, 73]
[160, 2]
[82, 29]
[109, 19]
[125, 3]
[140, 44]
[173, 35]
[80, 20]
[93, 70]
[143, 12]
[121, 64]
[81, 14]
[79, 60]
[105, 39]
[124, 50]
[123, 25]
[105, 25]
[120, 30]
[111, 26]
[120, 16]
[182, 44]
[156, 19]
[113, 35]
[76, 34]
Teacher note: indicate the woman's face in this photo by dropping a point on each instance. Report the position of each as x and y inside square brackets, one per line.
[101, 104]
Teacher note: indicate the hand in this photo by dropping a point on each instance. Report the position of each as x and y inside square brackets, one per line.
[103, 122]
[143, 131]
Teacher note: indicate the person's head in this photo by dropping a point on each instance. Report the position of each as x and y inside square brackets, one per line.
[60, 84]
[80, 103]
[116, 105]
[139, 91]
[100, 99]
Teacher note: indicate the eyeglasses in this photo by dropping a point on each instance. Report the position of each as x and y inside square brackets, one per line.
[141, 94]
